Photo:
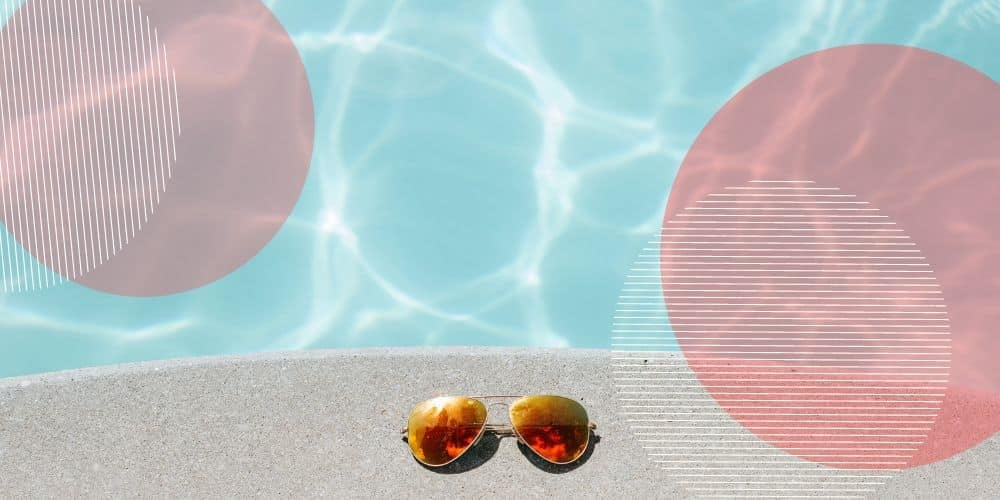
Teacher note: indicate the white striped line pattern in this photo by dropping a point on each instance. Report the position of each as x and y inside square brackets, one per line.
[90, 121]
[799, 376]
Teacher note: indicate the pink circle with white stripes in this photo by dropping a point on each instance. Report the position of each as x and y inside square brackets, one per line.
[861, 175]
[148, 147]
[812, 318]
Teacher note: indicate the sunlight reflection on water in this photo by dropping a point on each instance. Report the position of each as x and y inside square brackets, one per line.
[484, 172]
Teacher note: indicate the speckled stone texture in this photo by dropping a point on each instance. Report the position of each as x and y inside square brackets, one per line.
[327, 423]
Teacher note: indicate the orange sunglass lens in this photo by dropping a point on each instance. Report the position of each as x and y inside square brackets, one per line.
[554, 427]
[441, 429]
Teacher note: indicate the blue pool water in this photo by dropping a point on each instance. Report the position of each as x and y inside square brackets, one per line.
[484, 172]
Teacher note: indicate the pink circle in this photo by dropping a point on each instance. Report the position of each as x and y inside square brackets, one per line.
[174, 189]
[914, 134]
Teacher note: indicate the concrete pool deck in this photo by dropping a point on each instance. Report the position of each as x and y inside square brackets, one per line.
[326, 423]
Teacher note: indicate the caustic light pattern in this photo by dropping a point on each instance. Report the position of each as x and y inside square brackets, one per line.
[820, 301]
[99, 185]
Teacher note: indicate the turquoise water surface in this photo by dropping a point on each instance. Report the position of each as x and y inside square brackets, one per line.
[484, 172]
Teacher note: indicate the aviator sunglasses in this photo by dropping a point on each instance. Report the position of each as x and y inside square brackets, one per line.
[442, 429]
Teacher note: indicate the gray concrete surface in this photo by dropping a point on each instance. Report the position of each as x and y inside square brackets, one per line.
[326, 423]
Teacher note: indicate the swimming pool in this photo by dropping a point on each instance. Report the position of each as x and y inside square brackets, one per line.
[484, 173]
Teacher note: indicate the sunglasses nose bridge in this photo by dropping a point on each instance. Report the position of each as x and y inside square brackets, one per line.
[497, 417]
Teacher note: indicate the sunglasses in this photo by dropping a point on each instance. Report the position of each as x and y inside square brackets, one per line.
[442, 429]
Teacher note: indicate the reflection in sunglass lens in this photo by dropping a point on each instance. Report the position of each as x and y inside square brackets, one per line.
[554, 427]
[441, 429]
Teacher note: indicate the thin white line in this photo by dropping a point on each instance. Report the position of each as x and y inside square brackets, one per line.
[682, 425]
[809, 345]
[781, 297]
[861, 333]
[930, 415]
[762, 339]
[837, 271]
[752, 439]
[806, 398]
[879, 295]
[157, 110]
[100, 141]
[798, 366]
[657, 246]
[771, 448]
[684, 369]
[697, 231]
[80, 144]
[782, 324]
[794, 405]
[60, 106]
[72, 164]
[56, 250]
[5, 179]
[850, 264]
[783, 181]
[671, 252]
[168, 108]
[754, 188]
[812, 224]
[826, 488]
[834, 278]
[44, 168]
[130, 170]
[741, 305]
[108, 242]
[775, 421]
[30, 240]
[86, 146]
[783, 482]
[166, 120]
[116, 184]
[37, 243]
[177, 102]
[771, 407]
[830, 253]
[839, 473]
[740, 431]
[797, 209]
[698, 381]
[89, 232]
[811, 318]
[143, 121]
[153, 161]
[778, 453]
[714, 283]
[677, 310]
[782, 195]
[790, 202]
[740, 400]
[37, 172]
[712, 359]
[680, 237]
[135, 142]
[112, 189]
[746, 495]
[692, 353]
[825, 216]
[819, 256]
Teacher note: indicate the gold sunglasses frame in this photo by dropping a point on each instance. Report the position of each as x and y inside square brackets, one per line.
[502, 430]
